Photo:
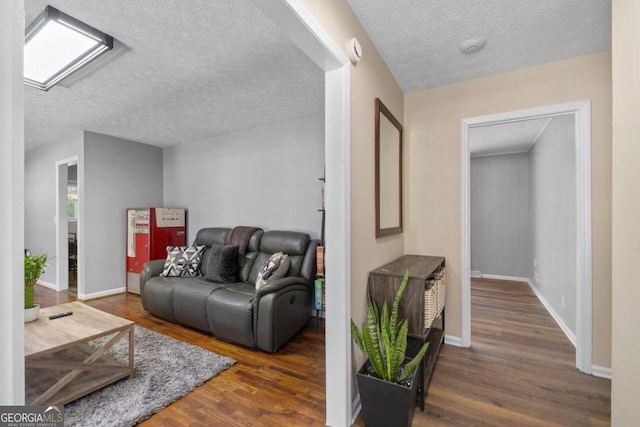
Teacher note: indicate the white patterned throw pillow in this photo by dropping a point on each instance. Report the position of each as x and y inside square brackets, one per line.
[183, 261]
[275, 268]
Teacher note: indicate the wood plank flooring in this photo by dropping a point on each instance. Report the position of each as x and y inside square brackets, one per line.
[261, 389]
[520, 371]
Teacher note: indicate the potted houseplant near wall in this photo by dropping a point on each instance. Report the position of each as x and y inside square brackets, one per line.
[33, 268]
[387, 381]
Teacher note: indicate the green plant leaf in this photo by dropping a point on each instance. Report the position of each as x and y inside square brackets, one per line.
[372, 350]
[372, 323]
[33, 268]
[400, 349]
[410, 367]
[357, 337]
[387, 341]
[396, 302]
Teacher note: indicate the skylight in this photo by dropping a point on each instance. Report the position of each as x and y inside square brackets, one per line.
[56, 45]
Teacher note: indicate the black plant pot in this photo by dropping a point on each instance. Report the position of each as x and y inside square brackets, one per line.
[384, 403]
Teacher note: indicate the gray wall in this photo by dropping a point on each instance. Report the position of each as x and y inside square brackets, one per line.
[118, 174]
[265, 176]
[552, 204]
[500, 215]
[40, 197]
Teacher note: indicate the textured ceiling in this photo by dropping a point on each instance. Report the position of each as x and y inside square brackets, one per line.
[181, 71]
[506, 138]
[420, 39]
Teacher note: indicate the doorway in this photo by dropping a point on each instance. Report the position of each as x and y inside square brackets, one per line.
[68, 225]
[581, 112]
[72, 218]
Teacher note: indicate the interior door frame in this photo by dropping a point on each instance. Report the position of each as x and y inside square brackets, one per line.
[62, 224]
[581, 110]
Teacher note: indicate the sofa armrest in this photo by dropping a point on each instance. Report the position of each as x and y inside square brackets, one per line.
[150, 269]
[280, 310]
[279, 284]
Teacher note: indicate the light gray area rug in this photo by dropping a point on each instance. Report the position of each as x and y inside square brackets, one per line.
[166, 370]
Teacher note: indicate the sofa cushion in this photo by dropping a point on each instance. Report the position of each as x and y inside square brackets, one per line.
[158, 295]
[222, 263]
[190, 302]
[230, 313]
[289, 242]
[275, 268]
[250, 256]
[292, 243]
[183, 261]
[211, 236]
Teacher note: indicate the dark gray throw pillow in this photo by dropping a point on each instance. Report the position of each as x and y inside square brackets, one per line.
[222, 263]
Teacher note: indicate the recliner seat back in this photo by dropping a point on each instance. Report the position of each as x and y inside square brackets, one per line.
[292, 243]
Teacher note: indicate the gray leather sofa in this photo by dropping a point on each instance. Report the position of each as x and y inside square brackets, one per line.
[236, 312]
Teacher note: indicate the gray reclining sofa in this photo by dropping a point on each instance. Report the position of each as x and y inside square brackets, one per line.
[236, 312]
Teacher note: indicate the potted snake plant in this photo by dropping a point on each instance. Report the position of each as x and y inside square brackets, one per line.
[33, 269]
[387, 381]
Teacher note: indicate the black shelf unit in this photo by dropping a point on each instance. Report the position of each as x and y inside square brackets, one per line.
[383, 285]
[435, 337]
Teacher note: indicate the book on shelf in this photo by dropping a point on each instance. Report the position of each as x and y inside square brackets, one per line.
[319, 294]
[320, 260]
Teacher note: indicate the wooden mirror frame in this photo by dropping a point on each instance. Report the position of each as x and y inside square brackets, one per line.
[382, 228]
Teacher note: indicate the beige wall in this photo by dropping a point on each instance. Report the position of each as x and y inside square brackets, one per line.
[370, 79]
[625, 410]
[433, 141]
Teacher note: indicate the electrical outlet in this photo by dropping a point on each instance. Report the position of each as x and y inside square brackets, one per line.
[535, 262]
[536, 277]
[562, 301]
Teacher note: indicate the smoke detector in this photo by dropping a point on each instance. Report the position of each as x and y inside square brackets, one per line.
[473, 45]
[354, 51]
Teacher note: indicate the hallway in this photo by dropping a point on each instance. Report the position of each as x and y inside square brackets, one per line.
[520, 370]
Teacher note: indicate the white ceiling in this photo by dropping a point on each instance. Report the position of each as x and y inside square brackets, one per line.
[420, 39]
[506, 138]
[181, 71]
[187, 70]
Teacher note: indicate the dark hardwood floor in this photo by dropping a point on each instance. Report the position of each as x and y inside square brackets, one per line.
[261, 389]
[520, 371]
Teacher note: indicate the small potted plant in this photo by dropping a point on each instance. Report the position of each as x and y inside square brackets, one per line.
[387, 381]
[33, 268]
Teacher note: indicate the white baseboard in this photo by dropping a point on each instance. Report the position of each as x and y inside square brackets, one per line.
[553, 313]
[356, 407]
[453, 340]
[601, 371]
[47, 285]
[84, 297]
[501, 277]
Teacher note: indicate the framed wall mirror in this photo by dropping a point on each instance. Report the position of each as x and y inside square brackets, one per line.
[388, 171]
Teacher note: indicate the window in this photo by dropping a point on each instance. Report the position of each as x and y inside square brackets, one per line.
[72, 202]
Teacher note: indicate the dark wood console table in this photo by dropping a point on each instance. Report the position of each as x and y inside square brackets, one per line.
[383, 285]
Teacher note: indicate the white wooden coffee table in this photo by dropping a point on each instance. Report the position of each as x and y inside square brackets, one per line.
[60, 365]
